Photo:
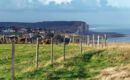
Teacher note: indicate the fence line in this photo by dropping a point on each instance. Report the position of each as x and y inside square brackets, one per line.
[81, 48]
[107, 44]
[105, 38]
[88, 40]
[37, 53]
[102, 42]
[98, 41]
[81, 45]
[93, 40]
[52, 51]
[64, 48]
[13, 60]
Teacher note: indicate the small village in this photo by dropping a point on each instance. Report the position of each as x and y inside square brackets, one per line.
[29, 35]
[21, 32]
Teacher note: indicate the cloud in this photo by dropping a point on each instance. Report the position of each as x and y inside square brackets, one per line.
[47, 2]
[25, 4]
[81, 5]
[15, 4]
[119, 3]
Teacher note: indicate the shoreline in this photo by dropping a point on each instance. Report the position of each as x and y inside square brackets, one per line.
[109, 34]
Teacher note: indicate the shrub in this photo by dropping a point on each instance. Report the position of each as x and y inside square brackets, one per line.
[58, 38]
[21, 40]
[47, 41]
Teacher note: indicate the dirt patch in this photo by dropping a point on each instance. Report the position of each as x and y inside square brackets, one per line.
[121, 73]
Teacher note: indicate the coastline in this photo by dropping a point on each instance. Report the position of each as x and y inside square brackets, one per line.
[109, 34]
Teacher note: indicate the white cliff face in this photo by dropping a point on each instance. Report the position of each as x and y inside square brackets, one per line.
[83, 29]
[87, 28]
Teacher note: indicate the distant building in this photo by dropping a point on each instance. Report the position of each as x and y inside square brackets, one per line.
[26, 36]
[12, 30]
[31, 35]
[22, 30]
[42, 32]
[8, 30]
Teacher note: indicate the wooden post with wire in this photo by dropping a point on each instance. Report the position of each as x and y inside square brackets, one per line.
[52, 51]
[98, 41]
[105, 38]
[93, 40]
[88, 40]
[73, 40]
[13, 60]
[64, 49]
[26, 40]
[81, 45]
[102, 38]
[37, 52]
[107, 43]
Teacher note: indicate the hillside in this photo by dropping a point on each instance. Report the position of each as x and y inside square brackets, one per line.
[78, 27]
[89, 65]
[60, 26]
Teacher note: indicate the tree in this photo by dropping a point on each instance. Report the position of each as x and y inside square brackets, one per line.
[49, 35]
[58, 38]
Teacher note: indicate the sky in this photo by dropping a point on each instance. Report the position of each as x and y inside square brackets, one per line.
[90, 11]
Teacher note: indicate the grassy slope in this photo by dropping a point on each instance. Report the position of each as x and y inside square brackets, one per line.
[77, 66]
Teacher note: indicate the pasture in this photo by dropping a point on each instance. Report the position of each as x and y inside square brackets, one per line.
[77, 66]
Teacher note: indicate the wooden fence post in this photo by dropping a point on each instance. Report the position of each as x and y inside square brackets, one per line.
[73, 40]
[13, 60]
[107, 43]
[5, 40]
[52, 51]
[26, 40]
[102, 41]
[9, 40]
[69, 41]
[32, 41]
[98, 41]
[37, 52]
[81, 45]
[64, 49]
[93, 40]
[105, 38]
[2, 40]
[88, 39]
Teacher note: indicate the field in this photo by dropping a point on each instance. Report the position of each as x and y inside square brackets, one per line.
[89, 65]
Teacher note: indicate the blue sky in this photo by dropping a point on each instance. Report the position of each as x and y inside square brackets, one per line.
[90, 11]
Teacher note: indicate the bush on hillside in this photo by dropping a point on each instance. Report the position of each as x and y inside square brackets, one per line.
[47, 41]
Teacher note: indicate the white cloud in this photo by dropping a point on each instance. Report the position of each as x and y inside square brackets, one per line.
[22, 4]
[47, 2]
[15, 4]
[30, 1]
[98, 3]
[119, 3]
[76, 4]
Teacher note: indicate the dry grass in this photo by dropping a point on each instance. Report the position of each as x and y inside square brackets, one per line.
[25, 61]
[121, 45]
[117, 73]
[121, 72]
[122, 48]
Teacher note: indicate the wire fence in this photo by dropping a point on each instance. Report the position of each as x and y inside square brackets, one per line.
[77, 45]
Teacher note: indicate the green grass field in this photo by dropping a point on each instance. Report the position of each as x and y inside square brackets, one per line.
[77, 66]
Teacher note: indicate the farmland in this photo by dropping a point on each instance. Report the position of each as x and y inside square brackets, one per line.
[82, 66]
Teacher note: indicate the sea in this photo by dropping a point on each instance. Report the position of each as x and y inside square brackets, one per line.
[122, 29]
